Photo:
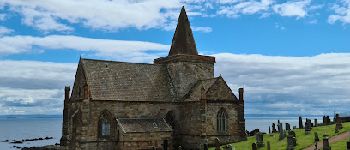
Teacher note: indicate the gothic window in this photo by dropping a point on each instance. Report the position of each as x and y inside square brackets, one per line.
[222, 121]
[105, 127]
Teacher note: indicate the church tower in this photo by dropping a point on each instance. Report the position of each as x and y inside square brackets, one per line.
[183, 63]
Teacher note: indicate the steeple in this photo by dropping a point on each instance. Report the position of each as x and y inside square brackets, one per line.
[183, 41]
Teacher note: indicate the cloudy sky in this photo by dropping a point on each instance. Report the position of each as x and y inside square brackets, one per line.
[292, 56]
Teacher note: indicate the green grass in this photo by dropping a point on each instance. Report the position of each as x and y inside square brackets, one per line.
[339, 145]
[303, 140]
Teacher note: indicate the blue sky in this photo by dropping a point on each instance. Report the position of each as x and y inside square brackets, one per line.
[292, 56]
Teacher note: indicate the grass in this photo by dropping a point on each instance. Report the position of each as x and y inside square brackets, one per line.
[303, 140]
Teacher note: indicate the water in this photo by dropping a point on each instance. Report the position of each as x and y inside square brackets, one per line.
[18, 128]
[29, 127]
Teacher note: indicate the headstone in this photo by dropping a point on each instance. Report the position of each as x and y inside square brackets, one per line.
[287, 126]
[281, 132]
[315, 122]
[254, 146]
[217, 144]
[274, 128]
[268, 145]
[328, 121]
[292, 133]
[348, 145]
[316, 139]
[326, 145]
[269, 130]
[294, 127]
[338, 123]
[307, 126]
[259, 139]
[300, 123]
[291, 142]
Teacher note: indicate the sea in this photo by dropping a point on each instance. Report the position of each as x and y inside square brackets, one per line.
[21, 127]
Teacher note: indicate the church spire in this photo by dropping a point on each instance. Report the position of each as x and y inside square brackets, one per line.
[183, 41]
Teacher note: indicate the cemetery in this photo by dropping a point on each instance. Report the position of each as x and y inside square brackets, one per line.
[307, 136]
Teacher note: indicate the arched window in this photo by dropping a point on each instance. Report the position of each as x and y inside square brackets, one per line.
[105, 127]
[222, 121]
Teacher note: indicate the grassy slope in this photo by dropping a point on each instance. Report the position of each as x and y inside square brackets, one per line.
[303, 140]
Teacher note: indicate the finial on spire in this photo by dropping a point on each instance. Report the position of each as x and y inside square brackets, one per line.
[183, 41]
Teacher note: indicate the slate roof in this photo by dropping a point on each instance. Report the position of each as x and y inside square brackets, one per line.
[138, 125]
[183, 41]
[111, 80]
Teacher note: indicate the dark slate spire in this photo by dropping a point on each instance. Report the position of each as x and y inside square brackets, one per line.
[183, 41]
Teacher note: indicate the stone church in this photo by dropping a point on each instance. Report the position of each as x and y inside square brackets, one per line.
[176, 101]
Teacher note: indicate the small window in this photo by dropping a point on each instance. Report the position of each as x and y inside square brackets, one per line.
[222, 121]
[105, 128]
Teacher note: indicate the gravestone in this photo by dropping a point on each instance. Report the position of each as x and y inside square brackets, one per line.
[269, 130]
[338, 124]
[291, 142]
[281, 132]
[348, 145]
[307, 126]
[326, 145]
[274, 128]
[300, 123]
[259, 139]
[294, 127]
[287, 126]
[268, 145]
[292, 133]
[316, 139]
[179, 148]
[326, 120]
[254, 146]
[315, 123]
[278, 121]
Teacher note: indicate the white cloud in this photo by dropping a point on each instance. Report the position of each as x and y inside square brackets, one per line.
[202, 29]
[98, 14]
[4, 31]
[341, 12]
[124, 50]
[293, 8]
[33, 87]
[309, 84]
[245, 8]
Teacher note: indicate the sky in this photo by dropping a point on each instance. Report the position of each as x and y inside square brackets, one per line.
[291, 56]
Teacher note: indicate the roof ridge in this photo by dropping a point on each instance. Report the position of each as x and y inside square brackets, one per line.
[112, 61]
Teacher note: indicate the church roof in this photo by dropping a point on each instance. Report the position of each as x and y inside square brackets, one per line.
[111, 80]
[183, 41]
[139, 125]
[203, 86]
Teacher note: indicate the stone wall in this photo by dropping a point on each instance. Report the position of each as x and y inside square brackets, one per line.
[184, 75]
